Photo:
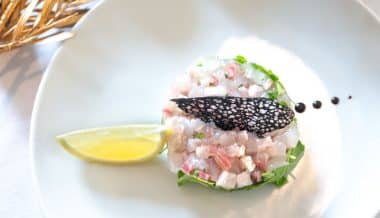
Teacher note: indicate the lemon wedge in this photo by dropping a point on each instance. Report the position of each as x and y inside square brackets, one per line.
[119, 144]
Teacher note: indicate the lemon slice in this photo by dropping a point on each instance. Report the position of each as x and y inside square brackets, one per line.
[120, 144]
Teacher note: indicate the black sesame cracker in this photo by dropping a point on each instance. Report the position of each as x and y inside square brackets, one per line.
[258, 115]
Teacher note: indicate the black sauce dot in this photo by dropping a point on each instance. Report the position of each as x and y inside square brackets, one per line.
[317, 104]
[300, 107]
[350, 97]
[335, 100]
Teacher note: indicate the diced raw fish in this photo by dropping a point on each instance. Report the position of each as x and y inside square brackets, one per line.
[243, 92]
[226, 180]
[236, 167]
[242, 137]
[203, 175]
[213, 81]
[235, 150]
[215, 91]
[262, 144]
[197, 125]
[176, 160]
[227, 138]
[203, 151]
[213, 169]
[290, 137]
[209, 132]
[267, 84]
[196, 91]
[276, 162]
[256, 176]
[255, 91]
[192, 144]
[232, 70]
[243, 179]
[261, 160]
[196, 162]
[222, 159]
[187, 167]
[247, 163]
[251, 145]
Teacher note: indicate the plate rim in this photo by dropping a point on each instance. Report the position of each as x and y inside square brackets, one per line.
[41, 87]
[35, 109]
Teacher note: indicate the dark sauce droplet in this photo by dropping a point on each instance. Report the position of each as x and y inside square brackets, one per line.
[300, 107]
[335, 100]
[317, 104]
[350, 97]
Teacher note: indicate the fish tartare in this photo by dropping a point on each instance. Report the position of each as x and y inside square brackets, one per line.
[232, 126]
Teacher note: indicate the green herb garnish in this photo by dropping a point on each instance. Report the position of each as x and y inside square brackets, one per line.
[279, 88]
[199, 135]
[269, 73]
[272, 95]
[240, 59]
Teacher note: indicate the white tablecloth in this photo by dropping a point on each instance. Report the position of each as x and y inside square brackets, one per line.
[20, 74]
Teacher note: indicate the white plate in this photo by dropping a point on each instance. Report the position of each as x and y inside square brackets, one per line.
[127, 53]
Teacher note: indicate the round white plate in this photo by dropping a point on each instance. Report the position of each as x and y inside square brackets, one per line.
[126, 55]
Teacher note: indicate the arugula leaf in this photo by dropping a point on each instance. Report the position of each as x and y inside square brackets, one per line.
[184, 178]
[269, 73]
[284, 103]
[241, 59]
[277, 176]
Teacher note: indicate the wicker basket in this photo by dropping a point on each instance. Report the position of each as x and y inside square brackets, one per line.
[24, 22]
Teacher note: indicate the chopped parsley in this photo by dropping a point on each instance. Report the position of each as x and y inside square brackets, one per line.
[199, 135]
[241, 85]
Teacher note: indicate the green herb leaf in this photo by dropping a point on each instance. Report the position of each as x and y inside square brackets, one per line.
[199, 65]
[279, 88]
[277, 176]
[284, 103]
[199, 135]
[272, 95]
[294, 155]
[241, 85]
[241, 59]
[183, 178]
[269, 73]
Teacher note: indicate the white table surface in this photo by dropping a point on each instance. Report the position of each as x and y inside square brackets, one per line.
[20, 74]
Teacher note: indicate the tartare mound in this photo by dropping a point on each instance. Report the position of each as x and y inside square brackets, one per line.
[220, 137]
